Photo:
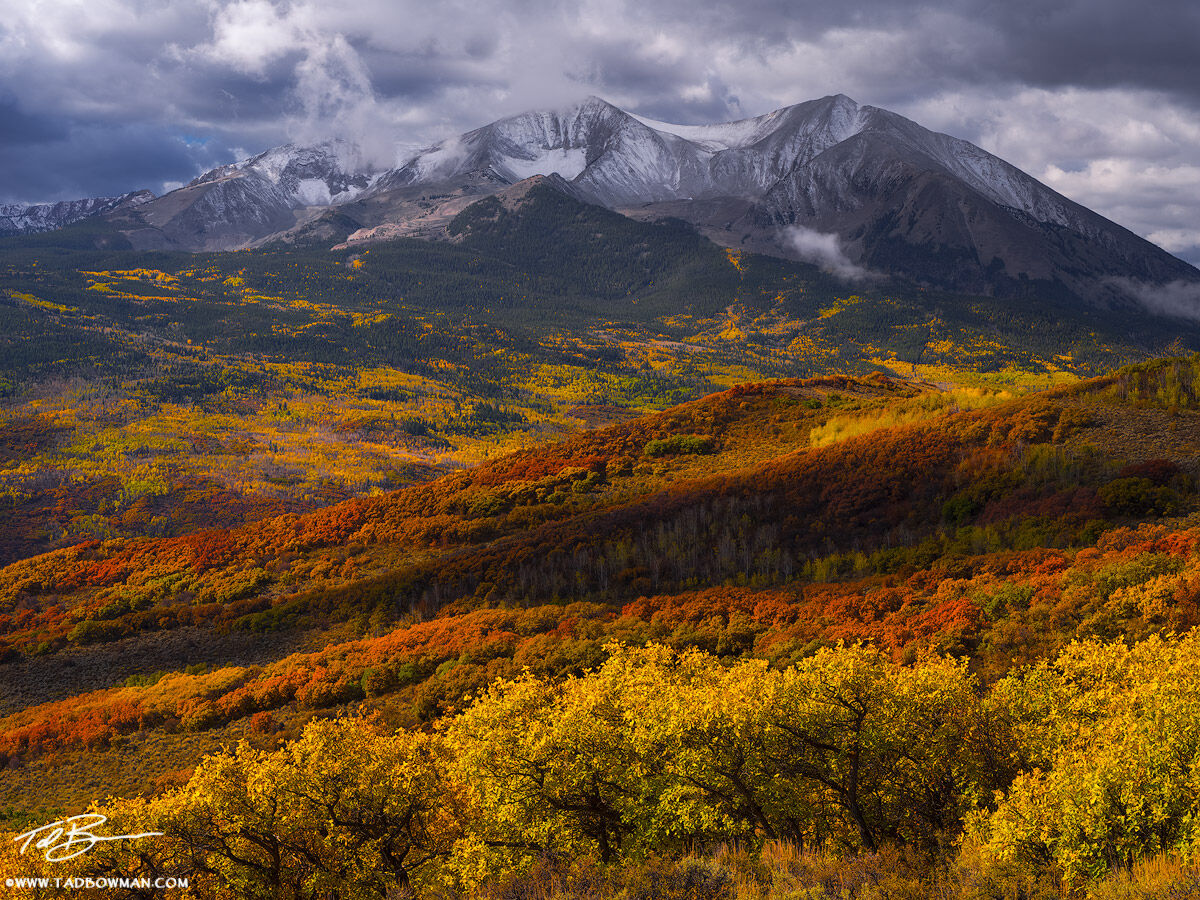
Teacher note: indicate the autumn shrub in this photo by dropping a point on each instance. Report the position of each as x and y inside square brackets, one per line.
[375, 682]
[203, 716]
[1071, 421]
[1113, 742]
[680, 444]
[343, 810]
[1139, 496]
[655, 751]
[1158, 471]
[90, 631]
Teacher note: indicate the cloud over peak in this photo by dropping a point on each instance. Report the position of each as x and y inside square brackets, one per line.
[113, 94]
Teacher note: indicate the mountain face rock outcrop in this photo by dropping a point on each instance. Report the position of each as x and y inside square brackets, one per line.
[233, 206]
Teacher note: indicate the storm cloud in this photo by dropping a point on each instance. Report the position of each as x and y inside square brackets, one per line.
[1100, 99]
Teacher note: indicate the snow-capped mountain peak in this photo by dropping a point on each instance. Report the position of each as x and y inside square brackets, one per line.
[18, 218]
[331, 172]
[897, 196]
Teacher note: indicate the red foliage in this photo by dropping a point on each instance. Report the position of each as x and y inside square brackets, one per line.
[1159, 471]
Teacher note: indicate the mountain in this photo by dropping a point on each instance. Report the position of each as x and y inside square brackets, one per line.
[619, 160]
[855, 188]
[232, 206]
[910, 201]
[16, 218]
[898, 198]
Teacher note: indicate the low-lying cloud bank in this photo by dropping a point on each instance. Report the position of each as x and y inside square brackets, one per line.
[1180, 299]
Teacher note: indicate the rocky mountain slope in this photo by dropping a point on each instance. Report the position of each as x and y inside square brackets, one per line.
[19, 218]
[232, 206]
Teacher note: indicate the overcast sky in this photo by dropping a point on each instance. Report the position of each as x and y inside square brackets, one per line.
[1100, 99]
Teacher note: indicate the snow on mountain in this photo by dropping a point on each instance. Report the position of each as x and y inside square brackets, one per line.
[328, 173]
[712, 138]
[235, 205]
[569, 162]
[28, 219]
[841, 121]
[601, 148]
[896, 196]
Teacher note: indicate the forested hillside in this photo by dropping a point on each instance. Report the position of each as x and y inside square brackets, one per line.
[831, 573]
[151, 394]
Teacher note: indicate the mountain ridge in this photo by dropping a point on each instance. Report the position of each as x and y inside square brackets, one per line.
[889, 195]
[35, 218]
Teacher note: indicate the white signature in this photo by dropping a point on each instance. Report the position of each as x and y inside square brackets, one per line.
[68, 838]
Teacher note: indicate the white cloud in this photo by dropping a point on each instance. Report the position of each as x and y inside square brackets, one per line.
[1177, 298]
[823, 250]
[334, 92]
[250, 34]
[1177, 240]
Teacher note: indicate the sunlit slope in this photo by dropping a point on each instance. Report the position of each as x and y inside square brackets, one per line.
[995, 528]
[155, 394]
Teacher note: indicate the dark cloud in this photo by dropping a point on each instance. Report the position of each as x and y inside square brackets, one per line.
[1049, 43]
[1104, 44]
[18, 127]
[106, 161]
[421, 76]
[1096, 97]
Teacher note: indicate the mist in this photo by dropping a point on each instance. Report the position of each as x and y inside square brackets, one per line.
[1180, 299]
[825, 251]
[333, 98]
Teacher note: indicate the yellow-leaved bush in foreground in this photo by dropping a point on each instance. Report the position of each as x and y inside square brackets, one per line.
[342, 811]
[1065, 771]
[1111, 736]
